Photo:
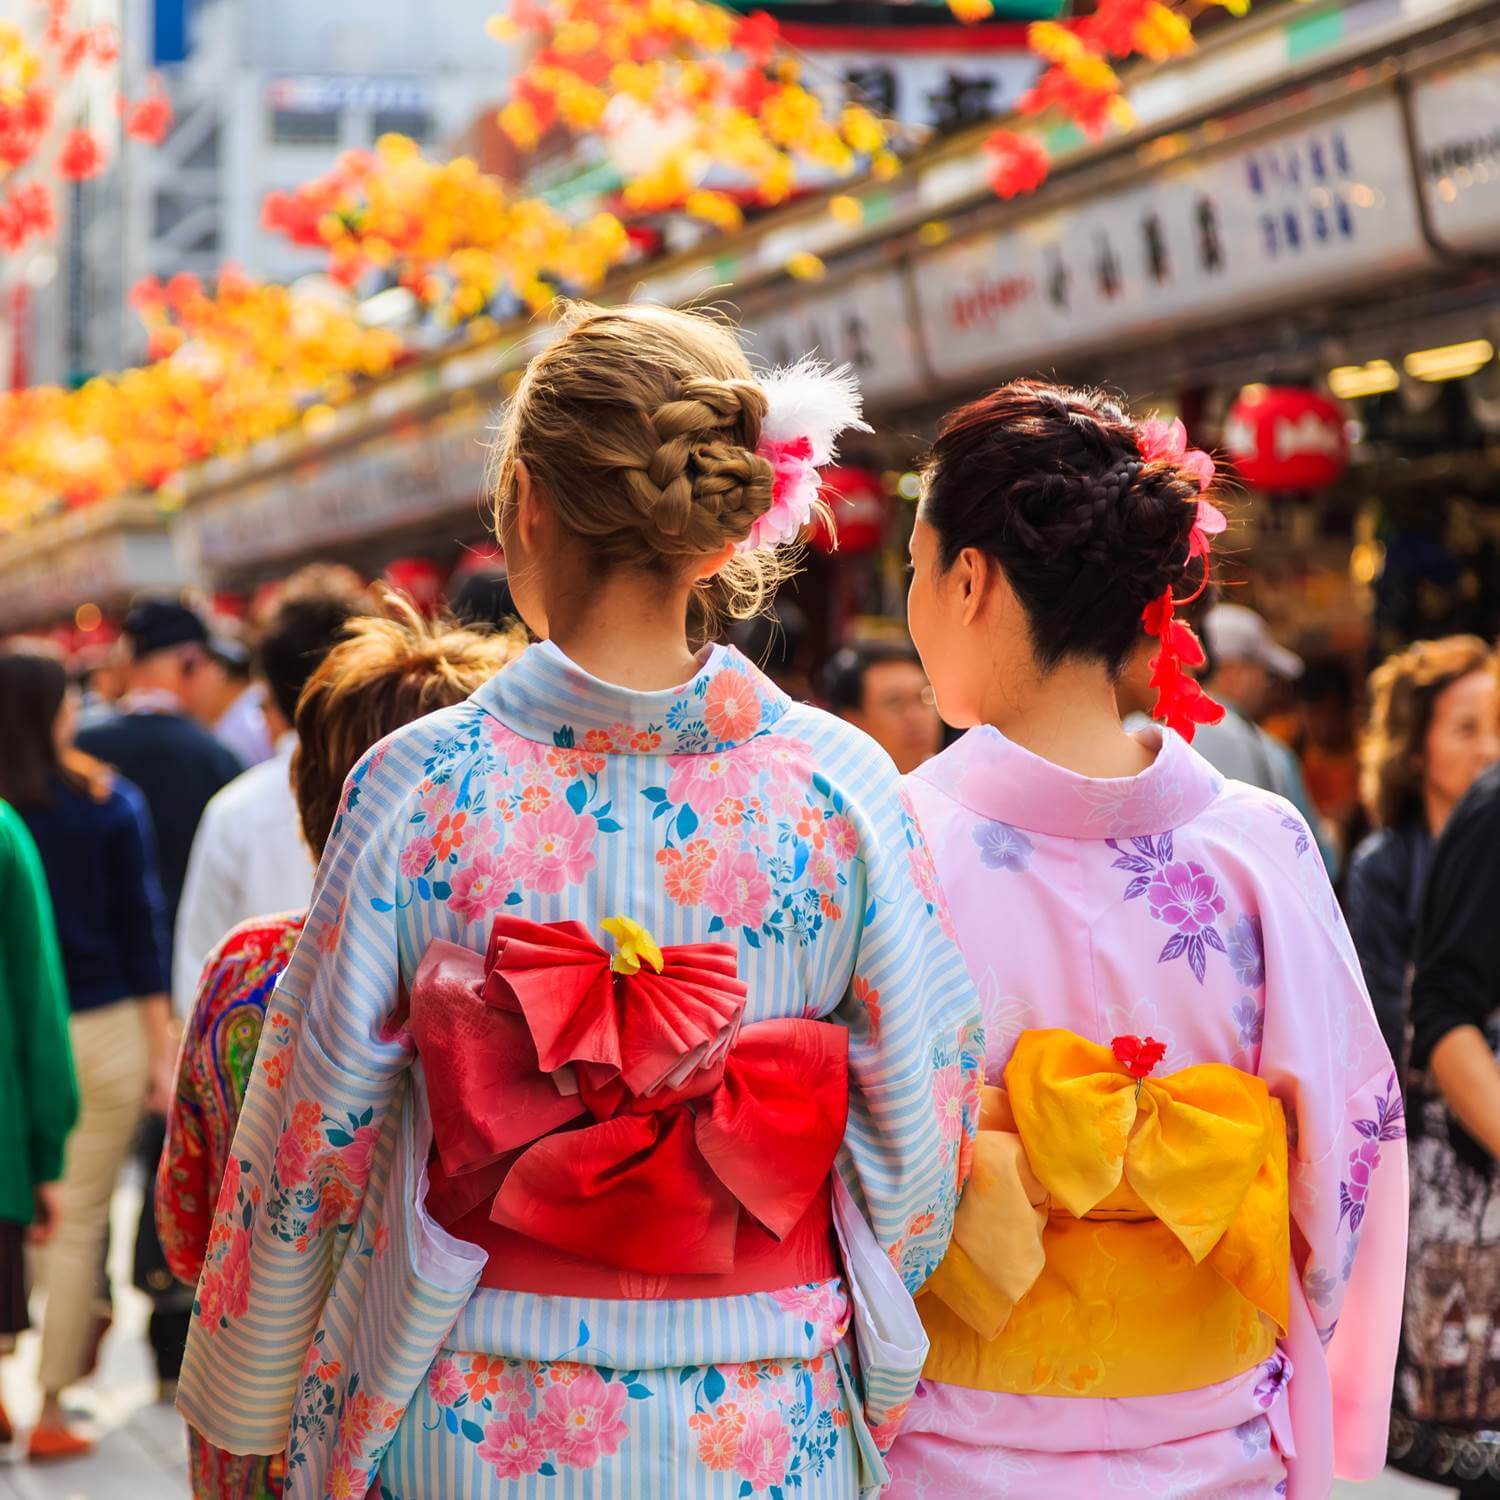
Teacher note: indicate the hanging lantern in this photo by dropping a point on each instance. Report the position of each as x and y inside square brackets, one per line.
[858, 502]
[1286, 437]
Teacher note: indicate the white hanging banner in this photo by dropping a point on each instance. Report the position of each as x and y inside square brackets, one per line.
[1457, 116]
[1276, 220]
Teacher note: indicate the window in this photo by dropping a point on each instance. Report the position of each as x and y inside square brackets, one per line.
[416, 123]
[299, 127]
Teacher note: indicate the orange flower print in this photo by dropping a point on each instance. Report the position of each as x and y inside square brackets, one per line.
[535, 799]
[869, 997]
[569, 763]
[644, 741]
[448, 835]
[731, 707]
[599, 741]
[718, 1435]
[921, 1223]
[810, 826]
[483, 1376]
[831, 909]
[276, 1070]
[685, 875]
[730, 813]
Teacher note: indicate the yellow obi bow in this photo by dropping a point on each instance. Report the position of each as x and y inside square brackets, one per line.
[1117, 1237]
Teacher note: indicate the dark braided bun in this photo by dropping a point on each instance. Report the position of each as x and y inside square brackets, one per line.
[1052, 484]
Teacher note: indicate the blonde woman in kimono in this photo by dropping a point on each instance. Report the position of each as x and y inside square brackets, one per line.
[617, 1096]
[1177, 1268]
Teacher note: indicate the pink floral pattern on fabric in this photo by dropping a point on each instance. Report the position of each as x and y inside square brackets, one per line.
[1180, 893]
[774, 1424]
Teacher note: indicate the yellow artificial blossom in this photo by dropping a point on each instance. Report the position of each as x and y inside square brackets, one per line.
[633, 946]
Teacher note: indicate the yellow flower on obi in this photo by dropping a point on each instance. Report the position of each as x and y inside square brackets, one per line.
[633, 945]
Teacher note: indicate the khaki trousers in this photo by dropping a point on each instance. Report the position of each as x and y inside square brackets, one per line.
[110, 1057]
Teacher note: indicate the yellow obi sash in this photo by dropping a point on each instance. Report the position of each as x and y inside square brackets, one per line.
[1115, 1239]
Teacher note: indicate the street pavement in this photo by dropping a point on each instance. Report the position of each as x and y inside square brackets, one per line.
[142, 1454]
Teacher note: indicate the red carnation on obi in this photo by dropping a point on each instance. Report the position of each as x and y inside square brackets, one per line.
[1138, 1055]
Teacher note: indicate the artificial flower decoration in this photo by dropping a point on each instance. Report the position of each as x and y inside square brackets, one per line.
[1138, 1055]
[1018, 163]
[79, 157]
[808, 406]
[633, 946]
[149, 119]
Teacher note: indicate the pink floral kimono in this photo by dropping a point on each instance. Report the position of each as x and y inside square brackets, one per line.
[1182, 907]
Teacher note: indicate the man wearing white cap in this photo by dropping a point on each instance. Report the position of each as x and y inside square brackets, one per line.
[1245, 659]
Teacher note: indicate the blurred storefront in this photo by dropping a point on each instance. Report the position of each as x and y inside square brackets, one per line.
[1310, 201]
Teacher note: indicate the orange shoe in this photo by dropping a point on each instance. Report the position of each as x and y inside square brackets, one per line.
[53, 1444]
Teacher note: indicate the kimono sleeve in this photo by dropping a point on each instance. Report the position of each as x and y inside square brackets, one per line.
[329, 1073]
[1324, 1057]
[916, 1052]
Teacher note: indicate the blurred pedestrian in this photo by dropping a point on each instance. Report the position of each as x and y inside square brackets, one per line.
[1245, 662]
[1434, 725]
[248, 856]
[1445, 1423]
[483, 597]
[94, 835]
[384, 674]
[230, 703]
[38, 1095]
[178, 766]
[880, 687]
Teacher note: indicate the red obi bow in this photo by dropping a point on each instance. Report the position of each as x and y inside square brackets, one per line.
[682, 1118]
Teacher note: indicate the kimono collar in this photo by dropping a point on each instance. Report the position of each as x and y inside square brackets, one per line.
[545, 697]
[997, 779]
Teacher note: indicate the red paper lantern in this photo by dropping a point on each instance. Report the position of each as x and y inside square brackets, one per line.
[1285, 437]
[858, 501]
[419, 578]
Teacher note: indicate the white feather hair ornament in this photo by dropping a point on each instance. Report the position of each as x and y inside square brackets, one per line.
[808, 405]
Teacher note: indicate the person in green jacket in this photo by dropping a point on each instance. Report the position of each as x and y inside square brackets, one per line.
[38, 1093]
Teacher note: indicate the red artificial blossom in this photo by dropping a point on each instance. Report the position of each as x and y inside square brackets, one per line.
[1181, 703]
[149, 119]
[80, 157]
[1138, 1055]
[1018, 163]
[26, 210]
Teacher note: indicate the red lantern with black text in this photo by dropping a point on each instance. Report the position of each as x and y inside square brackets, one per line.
[1286, 437]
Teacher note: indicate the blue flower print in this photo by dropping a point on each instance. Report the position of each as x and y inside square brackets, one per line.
[1319, 1285]
[1247, 952]
[1002, 847]
[1294, 824]
[1251, 1019]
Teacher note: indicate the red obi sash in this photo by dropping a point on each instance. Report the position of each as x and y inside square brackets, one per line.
[620, 1135]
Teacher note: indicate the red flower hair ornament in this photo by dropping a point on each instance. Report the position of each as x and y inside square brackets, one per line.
[1181, 703]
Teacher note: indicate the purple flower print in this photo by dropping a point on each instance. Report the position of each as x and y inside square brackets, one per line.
[1247, 955]
[1002, 847]
[1185, 896]
[1180, 893]
[1251, 1019]
[1254, 1436]
[1389, 1124]
[1350, 1251]
[1295, 824]
[1274, 1375]
[1319, 1286]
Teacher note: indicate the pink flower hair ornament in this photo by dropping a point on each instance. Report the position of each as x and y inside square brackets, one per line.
[1180, 702]
[809, 404]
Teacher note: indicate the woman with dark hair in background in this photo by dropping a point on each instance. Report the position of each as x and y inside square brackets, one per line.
[1434, 725]
[92, 830]
[1153, 1285]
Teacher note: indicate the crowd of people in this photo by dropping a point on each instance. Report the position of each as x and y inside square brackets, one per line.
[590, 1056]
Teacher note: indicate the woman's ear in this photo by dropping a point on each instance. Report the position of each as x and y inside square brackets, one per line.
[975, 580]
[712, 562]
[528, 507]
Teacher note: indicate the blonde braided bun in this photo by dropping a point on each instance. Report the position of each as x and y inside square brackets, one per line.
[640, 424]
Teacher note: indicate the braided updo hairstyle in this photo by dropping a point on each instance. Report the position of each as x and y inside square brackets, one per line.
[640, 424]
[1052, 484]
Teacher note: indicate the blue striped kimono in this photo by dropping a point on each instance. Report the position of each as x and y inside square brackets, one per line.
[335, 1318]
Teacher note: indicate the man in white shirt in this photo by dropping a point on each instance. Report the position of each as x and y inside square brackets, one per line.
[248, 857]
